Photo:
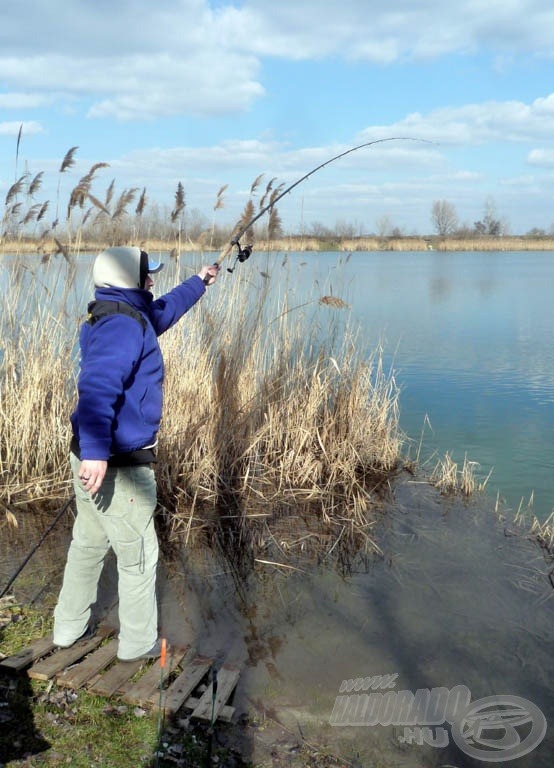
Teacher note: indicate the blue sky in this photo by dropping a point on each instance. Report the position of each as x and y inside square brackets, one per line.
[214, 93]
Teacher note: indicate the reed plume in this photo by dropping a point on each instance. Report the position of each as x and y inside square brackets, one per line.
[255, 184]
[267, 192]
[219, 199]
[15, 189]
[31, 214]
[109, 194]
[141, 203]
[179, 203]
[68, 160]
[35, 184]
[18, 142]
[274, 224]
[43, 209]
[81, 191]
[125, 199]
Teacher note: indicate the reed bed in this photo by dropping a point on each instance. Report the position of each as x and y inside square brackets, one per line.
[446, 244]
[36, 384]
[268, 439]
[273, 442]
[304, 243]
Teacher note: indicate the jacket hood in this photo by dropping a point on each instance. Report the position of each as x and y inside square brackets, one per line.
[123, 267]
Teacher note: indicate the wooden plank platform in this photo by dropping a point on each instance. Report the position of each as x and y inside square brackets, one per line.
[183, 686]
[45, 669]
[227, 678]
[31, 653]
[79, 674]
[111, 681]
[92, 664]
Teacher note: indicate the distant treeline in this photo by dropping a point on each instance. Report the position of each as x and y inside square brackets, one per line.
[51, 245]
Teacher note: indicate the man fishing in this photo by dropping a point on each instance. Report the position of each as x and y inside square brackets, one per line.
[115, 426]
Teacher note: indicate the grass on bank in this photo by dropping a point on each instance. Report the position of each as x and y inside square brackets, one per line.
[56, 726]
[47, 725]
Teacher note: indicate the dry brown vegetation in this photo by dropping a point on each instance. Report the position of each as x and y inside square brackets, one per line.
[49, 245]
[91, 220]
[270, 444]
[451, 479]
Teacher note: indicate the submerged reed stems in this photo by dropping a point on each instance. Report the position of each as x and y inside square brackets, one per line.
[450, 479]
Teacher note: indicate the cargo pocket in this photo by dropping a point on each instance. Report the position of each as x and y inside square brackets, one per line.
[130, 554]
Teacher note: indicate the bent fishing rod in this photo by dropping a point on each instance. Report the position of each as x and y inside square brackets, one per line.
[244, 252]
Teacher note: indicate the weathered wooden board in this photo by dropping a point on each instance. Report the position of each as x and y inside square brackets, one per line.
[79, 674]
[148, 684]
[113, 681]
[227, 678]
[183, 685]
[31, 653]
[51, 665]
[226, 713]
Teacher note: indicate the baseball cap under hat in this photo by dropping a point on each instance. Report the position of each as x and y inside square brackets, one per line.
[123, 267]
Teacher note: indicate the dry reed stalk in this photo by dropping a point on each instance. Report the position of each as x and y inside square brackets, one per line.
[445, 475]
[450, 480]
[273, 430]
[36, 391]
[544, 532]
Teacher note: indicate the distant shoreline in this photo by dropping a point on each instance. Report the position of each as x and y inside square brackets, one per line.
[300, 243]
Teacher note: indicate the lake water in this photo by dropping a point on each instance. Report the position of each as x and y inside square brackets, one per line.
[470, 339]
[454, 601]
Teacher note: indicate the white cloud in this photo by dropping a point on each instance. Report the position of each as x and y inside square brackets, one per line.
[13, 128]
[371, 30]
[543, 158]
[25, 100]
[137, 59]
[506, 121]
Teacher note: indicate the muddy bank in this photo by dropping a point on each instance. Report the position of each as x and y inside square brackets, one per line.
[455, 601]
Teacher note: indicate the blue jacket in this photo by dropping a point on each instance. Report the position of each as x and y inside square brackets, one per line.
[120, 382]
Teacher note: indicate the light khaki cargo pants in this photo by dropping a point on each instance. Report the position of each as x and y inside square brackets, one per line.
[120, 515]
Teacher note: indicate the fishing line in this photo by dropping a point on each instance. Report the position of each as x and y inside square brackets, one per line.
[37, 545]
[245, 252]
